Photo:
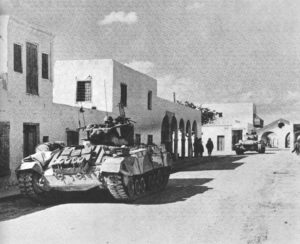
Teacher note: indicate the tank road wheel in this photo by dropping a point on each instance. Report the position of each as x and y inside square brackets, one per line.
[160, 179]
[142, 185]
[166, 178]
[137, 187]
[29, 187]
[150, 182]
[130, 189]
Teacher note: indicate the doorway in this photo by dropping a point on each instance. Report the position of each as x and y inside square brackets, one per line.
[221, 143]
[4, 148]
[31, 135]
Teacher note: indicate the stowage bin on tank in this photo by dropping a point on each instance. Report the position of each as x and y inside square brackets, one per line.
[107, 160]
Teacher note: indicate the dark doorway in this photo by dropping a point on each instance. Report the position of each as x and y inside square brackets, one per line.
[32, 86]
[4, 148]
[236, 136]
[31, 138]
[72, 137]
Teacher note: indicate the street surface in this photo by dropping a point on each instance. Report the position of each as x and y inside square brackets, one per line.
[251, 199]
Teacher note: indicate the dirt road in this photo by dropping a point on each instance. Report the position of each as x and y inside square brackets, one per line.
[234, 199]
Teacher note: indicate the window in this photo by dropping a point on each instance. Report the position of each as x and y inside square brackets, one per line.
[220, 143]
[32, 86]
[18, 58]
[124, 95]
[45, 138]
[137, 139]
[84, 91]
[45, 66]
[150, 140]
[149, 100]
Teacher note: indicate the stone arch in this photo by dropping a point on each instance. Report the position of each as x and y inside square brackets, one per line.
[270, 138]
[174, 137]
[194, 133]
[181, 139]
[188, 147]
[287, 142]
[165, 133]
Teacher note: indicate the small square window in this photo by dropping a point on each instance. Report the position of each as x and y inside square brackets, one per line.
[84, 91]
[18, 58]
[45, 138]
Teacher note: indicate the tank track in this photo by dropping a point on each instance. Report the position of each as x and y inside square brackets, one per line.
[137, 186]
[29, 188]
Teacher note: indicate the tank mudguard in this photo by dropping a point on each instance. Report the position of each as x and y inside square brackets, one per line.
[34, 166]
[112, 165]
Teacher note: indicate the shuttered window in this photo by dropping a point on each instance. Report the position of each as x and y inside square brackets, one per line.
[18, 58]
[84, 91]
[45, 66]
[32, 69]
[124, 95]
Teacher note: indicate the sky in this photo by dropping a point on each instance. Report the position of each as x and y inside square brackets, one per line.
[206, 51]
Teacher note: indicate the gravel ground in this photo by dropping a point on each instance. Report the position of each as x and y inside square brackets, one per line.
[233, 199]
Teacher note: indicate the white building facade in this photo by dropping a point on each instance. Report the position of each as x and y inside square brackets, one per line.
[30, 114]
[235, 121]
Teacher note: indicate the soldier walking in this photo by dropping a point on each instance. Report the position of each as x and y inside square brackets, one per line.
[209, 146]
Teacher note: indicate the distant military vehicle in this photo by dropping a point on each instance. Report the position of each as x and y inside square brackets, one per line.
[250, 144]
[108, 160]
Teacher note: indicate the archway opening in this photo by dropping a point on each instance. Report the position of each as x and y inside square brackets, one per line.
[188, 143]
[270, 138]
[181, 139]
[288, 140]
[174, 138]
[194, 135]
[165, 134]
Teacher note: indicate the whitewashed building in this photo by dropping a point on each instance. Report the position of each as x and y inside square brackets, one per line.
[234, 121]
[276, 134]
[30, 114]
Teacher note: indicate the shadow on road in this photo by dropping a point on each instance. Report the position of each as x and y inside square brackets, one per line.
[217, 163]
[176, 190]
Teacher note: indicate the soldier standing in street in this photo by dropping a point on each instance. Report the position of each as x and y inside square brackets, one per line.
[196, 147]
[209, 146]
[200, 147]
[297, 147]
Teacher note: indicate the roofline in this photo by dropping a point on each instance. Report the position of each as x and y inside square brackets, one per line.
[33, 26]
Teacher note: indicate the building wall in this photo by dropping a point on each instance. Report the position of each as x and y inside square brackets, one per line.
[17, 107]
[148, 122]
[278, 136]
[243, 112]
[213, 132]
[100, 72]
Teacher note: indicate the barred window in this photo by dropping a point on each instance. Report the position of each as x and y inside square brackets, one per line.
[45, 66]
[84, 91]
[18, 58]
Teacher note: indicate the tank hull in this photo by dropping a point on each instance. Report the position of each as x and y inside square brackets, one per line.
[127, 173]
